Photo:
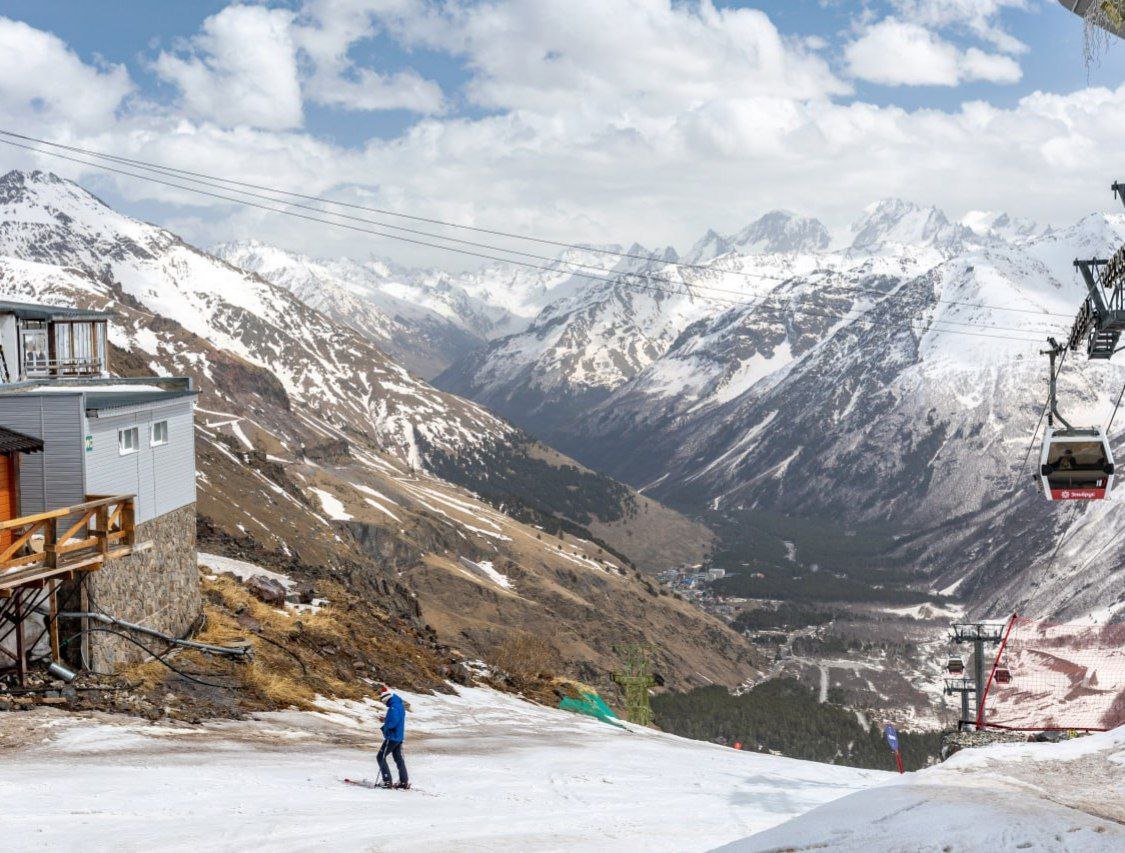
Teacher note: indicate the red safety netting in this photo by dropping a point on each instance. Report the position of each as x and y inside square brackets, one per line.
[1057, 676]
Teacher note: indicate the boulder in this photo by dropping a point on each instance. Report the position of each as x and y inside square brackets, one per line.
[267, 590]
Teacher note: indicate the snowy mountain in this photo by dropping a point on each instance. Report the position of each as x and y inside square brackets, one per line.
[318, 453]
[778, 231]
[424, 328]
[897, 221]
[57, 225]
[892, 385]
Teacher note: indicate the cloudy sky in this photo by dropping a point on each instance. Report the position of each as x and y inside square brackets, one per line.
[576, 120]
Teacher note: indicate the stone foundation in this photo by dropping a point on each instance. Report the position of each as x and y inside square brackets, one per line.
[157, 588]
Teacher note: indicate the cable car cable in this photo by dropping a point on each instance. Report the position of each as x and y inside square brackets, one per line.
[218, 182]
[1109, 423]
[687, 291]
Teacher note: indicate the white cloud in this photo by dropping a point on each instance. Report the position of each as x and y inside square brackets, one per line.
[330, 28]
[649, 57]
[240, 70]
[703, 119]
[901, 53]
[980, 17]
[42, 80]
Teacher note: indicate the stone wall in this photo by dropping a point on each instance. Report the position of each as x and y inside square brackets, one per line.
[157, 588]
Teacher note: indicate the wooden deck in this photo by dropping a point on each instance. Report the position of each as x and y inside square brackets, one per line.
[92, 532]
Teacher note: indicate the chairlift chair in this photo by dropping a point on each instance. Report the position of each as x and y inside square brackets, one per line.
[955, 666]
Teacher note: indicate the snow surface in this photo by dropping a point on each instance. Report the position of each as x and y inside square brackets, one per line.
[242, 569]
[332, 505]
[492, 773]
[1068, 796]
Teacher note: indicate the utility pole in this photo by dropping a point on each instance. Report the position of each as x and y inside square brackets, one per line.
[636, 680]
[977, 633]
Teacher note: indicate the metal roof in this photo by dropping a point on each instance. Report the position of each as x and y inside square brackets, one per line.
[15, 442]
[107, 400]
[28, 311]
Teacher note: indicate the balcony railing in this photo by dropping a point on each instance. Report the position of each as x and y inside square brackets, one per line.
[54, 368]
[32, 548]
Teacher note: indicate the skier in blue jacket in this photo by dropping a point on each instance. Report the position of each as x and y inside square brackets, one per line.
[394, 732]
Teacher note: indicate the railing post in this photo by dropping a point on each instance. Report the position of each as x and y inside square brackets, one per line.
[102, 530]
[50, 541]
[128, 522]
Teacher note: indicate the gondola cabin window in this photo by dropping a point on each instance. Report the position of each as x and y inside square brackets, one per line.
[127, 441]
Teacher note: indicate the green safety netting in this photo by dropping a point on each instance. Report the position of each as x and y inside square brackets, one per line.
[592, 705]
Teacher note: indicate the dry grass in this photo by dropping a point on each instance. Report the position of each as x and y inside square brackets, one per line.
[526, 655]
[345, 650]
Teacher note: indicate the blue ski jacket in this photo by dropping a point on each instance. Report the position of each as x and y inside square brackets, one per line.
[394, 724]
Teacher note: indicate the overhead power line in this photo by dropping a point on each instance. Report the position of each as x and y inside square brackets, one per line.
[218, 182]
[618, 279]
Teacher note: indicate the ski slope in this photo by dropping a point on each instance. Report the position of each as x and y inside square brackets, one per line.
[491, 772]
[1057, 797]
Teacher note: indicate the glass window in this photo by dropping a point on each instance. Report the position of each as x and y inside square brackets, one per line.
[128, 440]
[159, 433]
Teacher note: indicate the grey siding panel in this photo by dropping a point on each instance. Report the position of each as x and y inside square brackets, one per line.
[163, 477]
[55, 477]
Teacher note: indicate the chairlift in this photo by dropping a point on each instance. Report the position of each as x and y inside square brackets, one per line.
[955, 666]
[1075, 463]
[1003, 675]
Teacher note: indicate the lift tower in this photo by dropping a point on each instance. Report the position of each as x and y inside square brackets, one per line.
[636, 680]
[977, 633]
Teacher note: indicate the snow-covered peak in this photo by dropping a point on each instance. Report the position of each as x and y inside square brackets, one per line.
[989, 223]
[777, 232]
[781, 231]
[897, 221]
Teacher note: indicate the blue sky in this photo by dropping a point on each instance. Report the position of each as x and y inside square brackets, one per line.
[592, 119]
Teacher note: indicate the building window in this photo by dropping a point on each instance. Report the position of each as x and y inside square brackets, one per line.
[159, 433]
[128, 440]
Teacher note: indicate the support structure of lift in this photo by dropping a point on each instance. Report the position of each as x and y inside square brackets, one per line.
[966, 688]
[979, 634]
[1101, 319]
[1056, 349]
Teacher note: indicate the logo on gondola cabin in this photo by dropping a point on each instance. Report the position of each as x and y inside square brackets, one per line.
[1065, 494]
[89, 444]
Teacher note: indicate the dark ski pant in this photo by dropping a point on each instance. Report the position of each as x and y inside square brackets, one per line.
[394, 747]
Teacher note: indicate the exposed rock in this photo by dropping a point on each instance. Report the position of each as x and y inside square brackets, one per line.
[267, 590]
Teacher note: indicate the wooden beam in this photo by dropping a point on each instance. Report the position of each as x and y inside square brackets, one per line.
[53, 622]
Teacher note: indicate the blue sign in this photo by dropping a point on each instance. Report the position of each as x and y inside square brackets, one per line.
[892, 737]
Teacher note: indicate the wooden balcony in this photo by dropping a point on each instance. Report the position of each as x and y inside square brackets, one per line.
[32, 549]
[62, 368]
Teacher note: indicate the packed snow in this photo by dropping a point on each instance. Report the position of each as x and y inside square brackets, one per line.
[1064, 797]
[491, 773]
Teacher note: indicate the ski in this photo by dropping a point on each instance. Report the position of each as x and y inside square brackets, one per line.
[378, 786]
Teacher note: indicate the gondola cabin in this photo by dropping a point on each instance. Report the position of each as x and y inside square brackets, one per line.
[1076, 464]
[1003, 675]
[955, 666]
